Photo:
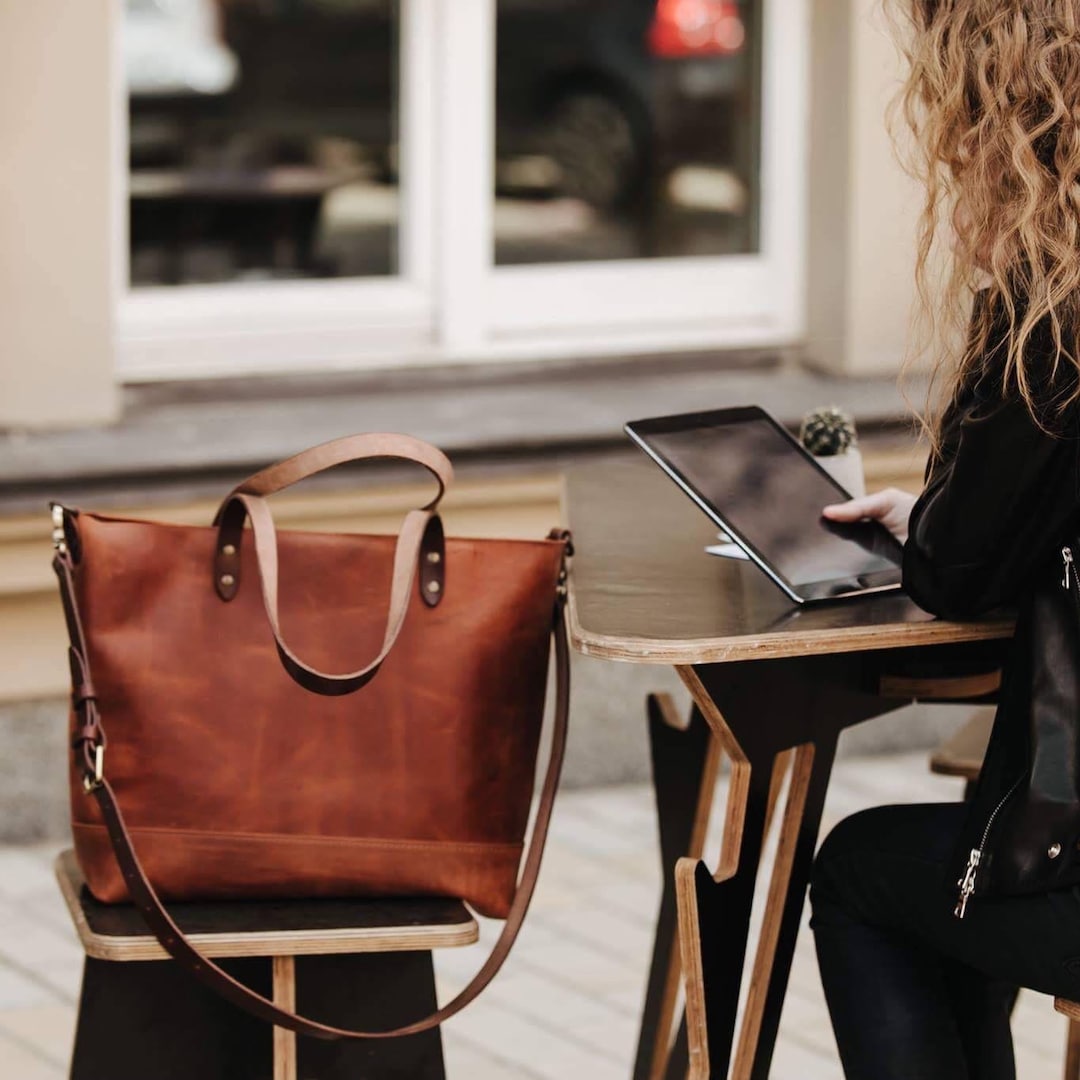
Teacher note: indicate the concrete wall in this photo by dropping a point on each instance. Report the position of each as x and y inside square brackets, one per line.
[56, 364]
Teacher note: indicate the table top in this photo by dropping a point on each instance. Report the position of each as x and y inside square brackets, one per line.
[643, 589]
[268, 927]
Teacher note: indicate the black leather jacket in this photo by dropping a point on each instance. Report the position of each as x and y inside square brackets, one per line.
[1001, 503]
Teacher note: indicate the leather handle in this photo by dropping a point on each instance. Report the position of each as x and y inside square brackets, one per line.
[419, 542]
[180, 948]
[231, 514]
[363, 447]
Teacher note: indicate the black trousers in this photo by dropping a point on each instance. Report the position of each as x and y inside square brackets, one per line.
[914, 993]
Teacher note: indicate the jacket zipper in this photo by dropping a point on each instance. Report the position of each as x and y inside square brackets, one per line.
[967, 882]
[1070, 574]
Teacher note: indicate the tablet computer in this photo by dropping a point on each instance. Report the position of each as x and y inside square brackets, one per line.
[755, 480]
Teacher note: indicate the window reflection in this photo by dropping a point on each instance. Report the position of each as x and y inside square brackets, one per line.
[626, 128]
[262, 139]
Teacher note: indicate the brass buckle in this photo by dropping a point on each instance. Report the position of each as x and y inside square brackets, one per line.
[92, 783]
[59, 536]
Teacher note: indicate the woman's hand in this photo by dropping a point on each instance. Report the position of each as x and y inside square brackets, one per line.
[892, 507]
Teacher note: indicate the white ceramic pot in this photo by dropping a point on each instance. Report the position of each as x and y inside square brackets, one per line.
[847, 470]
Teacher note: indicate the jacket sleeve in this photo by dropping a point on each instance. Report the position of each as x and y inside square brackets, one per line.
[996, 508]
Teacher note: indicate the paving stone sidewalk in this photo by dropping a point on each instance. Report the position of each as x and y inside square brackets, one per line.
[567, 1004]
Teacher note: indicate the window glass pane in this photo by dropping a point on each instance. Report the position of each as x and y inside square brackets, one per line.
[626, 128]
[262, 139]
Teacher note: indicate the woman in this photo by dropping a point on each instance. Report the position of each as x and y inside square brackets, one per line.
[916, 992]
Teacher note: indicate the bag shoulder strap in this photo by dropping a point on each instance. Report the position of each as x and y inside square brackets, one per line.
[89, 744]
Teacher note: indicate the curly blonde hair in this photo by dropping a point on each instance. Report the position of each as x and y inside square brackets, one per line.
[992, 97]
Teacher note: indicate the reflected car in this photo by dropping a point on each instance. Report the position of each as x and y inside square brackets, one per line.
[613, 93]
[619, 92]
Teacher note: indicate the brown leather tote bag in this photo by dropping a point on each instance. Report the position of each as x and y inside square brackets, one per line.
[302, 715]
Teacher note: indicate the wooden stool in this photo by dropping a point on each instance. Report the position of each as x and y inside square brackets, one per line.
[355, 964]
[1071, 1009]
[962, 756]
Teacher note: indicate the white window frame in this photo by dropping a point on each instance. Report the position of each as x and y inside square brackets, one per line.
[449, 302]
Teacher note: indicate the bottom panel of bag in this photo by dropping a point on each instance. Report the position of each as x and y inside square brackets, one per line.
[188, 865]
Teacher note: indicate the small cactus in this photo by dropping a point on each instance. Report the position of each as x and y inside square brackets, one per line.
[827, 431]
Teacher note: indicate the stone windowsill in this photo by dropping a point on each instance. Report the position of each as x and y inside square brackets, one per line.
[184, 439]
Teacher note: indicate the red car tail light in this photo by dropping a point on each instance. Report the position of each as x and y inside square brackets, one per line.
[696, 28]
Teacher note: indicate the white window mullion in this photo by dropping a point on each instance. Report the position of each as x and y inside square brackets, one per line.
[785, 126]
[417, 124]
[465, 175]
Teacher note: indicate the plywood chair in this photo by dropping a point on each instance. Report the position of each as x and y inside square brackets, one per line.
[962, 756]
[350, 963]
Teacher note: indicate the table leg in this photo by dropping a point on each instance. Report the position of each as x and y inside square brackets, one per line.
[685, 763]
[678, 1056]
[759, 712]
[772, 966]
[723, 921]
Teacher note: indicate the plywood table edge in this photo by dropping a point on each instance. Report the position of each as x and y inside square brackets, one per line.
[777, 645]
[272, 943]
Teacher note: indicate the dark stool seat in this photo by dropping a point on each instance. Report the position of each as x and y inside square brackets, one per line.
[355, 963]
[963, 754]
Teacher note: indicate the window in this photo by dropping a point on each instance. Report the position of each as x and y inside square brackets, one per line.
[626, 130]
[315, 184]
[262, 139]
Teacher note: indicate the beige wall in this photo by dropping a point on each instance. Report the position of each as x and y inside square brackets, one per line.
[56, 315]
[55, 195]
[32, 635]
[863, 205]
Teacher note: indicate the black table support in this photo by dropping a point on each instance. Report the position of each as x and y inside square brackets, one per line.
[772, 719]
[685, 762]
[767, 708]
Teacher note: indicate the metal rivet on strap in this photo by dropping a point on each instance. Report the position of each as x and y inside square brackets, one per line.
[434, 557]
[229, 549]
[228, 580]
[433, 586]
[1054, 851]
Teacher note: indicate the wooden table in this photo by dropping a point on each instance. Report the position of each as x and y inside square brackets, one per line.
[268, 217]
[773, 686]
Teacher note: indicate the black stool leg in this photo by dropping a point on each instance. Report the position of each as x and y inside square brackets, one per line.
[150, 1019]
[374, 991]
[143, 1019]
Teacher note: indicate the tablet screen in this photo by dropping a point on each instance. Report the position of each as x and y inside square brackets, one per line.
[765, 488]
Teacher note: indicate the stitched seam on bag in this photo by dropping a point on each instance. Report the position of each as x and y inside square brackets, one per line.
[292, 838]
